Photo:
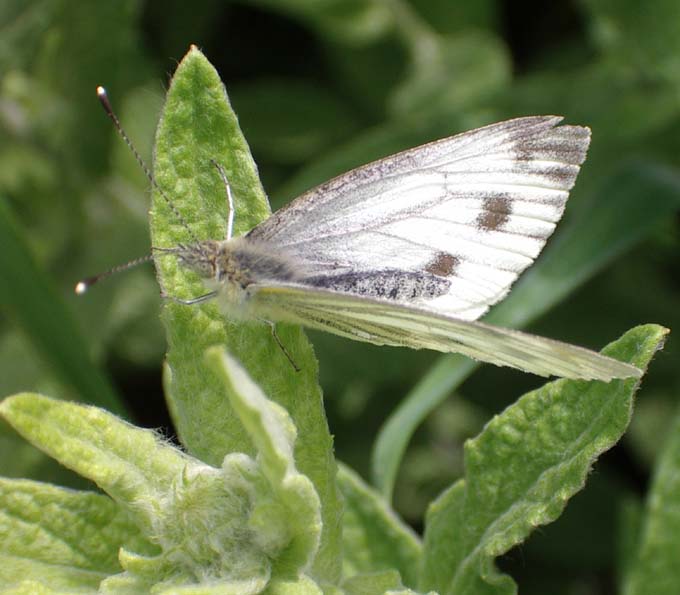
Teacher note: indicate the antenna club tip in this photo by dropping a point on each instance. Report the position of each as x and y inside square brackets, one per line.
[81, 287]
[101, 92]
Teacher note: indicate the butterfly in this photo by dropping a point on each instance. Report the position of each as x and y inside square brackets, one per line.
[412, 249]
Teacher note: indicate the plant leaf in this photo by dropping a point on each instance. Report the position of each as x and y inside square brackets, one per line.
[654, 568]
[58, 538]
[128, 463]
[523, 468]
[288, 522]
[375, 538]
[375, 583]
[198, 126]
[235, 527]
[302, 586]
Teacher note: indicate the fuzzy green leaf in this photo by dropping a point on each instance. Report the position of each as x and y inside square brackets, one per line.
[29, 587]
[654, 569]
[375, 538]
[233, 527]
[288, 523]
[58, 538]
[128, 463]
[301, 586]
[523, 468]
[375, 583]
[198, 126]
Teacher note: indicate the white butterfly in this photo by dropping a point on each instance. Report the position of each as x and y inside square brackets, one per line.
[411, 249]
[408, 250]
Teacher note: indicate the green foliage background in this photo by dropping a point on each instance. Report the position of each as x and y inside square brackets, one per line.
[320, 87]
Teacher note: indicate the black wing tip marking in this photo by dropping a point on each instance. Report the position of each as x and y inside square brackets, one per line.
[542, 130]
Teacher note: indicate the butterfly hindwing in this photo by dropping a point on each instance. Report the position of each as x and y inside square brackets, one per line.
[384, 323]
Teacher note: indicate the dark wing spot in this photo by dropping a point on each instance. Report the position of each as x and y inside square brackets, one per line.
[496, 212]
[443, 264]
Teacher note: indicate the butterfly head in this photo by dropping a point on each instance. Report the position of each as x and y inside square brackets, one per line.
[201, 257]
[224, 262]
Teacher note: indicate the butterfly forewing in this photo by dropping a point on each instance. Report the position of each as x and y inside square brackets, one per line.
[473, 211]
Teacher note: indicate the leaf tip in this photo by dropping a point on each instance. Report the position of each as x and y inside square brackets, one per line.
[636, 349]
[10, 404]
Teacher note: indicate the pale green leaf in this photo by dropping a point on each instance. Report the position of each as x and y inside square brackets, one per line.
[29, 587]
[124, 584]
[375, 538]
[288, 523]
[60, 539]
[523, 468]
[127, 462]
[197, 515]
[198, 126]
[374, 583]
[230, 527]
[301, 586]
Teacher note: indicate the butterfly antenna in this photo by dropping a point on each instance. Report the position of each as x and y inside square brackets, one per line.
[85, 284]
[106, 104]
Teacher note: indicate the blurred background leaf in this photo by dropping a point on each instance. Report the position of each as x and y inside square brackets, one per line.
[357, 80]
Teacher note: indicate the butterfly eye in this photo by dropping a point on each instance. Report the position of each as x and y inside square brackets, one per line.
[205, 268]
[199, 258]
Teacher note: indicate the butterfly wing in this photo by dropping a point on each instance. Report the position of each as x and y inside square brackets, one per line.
[467, 213]
[384, 323]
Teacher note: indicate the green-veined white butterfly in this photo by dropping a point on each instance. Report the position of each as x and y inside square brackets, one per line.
[410, 250]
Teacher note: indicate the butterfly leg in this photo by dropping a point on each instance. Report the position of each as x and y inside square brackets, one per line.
[197, 300]
[272, 326]
[230, 198]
